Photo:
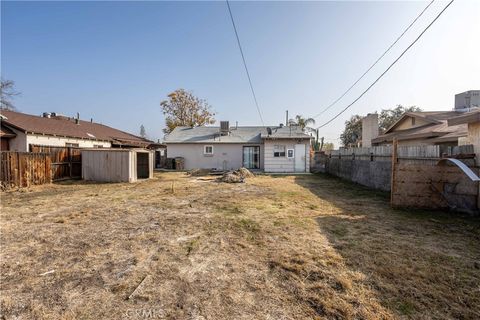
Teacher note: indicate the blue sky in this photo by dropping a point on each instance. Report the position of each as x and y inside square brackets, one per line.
[115, 61]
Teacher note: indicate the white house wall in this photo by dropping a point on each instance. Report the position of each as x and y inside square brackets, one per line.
[45, 140]
[284, 164]
[19, 143]
[231, 154]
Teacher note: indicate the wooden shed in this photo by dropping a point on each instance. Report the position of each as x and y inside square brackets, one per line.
[117, 165]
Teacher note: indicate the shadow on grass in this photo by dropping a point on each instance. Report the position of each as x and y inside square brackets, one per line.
[408, 255]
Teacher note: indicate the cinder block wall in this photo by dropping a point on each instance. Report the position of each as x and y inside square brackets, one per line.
[373, 174]
[421, 186]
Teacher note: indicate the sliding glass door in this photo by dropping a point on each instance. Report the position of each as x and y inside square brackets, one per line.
[251, 157]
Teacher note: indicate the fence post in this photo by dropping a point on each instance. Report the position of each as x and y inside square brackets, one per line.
[48, 168]
[394, 169]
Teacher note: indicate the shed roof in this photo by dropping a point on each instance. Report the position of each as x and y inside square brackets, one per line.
[241, 134]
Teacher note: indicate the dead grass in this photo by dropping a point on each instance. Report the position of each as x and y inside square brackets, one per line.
[273, 248]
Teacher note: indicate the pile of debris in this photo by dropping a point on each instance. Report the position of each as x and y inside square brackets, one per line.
[236, 176]
[199, 172]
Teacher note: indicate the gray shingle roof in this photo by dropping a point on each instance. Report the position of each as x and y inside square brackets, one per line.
[237, 135]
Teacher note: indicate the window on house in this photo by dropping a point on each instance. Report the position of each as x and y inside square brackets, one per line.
[97, 146]
[208, 150]
[68, 144]
[290, 153]
[278, 151]
[413, 121]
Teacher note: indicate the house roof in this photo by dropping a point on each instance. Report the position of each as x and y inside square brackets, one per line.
[237, 134]
[437, 128]
[6, 132]
[66, 127]
[467, 117]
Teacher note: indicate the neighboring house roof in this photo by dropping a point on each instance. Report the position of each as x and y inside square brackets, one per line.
[467, 117]
[237, 134]
[6, 132]
[436, 128]
[66, 127]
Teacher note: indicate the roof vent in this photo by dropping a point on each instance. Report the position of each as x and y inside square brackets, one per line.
[224, 128]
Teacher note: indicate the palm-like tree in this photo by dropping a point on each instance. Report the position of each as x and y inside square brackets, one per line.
[303, 123]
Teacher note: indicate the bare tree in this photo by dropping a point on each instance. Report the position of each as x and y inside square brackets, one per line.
[7, 93]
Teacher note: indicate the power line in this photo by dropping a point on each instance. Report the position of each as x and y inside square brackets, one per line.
[245, 63]
[384, 72]
[375, 63]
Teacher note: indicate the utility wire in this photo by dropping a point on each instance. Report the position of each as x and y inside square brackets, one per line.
[384, 72]
[375, 63]
[245, 63]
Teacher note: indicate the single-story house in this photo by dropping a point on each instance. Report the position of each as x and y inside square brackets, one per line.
[19, 131]
[423, 128]
[271, 149]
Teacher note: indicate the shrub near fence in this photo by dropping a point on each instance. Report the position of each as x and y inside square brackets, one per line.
[23, 169]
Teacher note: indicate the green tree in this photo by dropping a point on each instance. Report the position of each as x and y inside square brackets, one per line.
[182, 108]
[7, 93]
[353, 131]
[328, 146]
[353, 127]
[388, 117]
[303, 123]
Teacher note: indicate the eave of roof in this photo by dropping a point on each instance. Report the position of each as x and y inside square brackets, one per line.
[413, 115]
[469, 117]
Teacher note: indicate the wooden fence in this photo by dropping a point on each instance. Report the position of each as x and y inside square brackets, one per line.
[22, 169]
[66, 162]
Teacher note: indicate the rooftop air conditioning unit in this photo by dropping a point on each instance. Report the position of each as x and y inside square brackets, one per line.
[224, 128]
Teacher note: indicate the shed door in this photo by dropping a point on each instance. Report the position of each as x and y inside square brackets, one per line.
[300, 158]
[142, 165]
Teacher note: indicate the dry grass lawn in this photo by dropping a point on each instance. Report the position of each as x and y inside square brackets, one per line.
[285, 247]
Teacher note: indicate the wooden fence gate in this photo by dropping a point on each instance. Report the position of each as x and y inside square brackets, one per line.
[66, 162]
[22, 169]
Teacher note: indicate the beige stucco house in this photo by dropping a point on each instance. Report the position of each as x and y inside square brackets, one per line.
[424, 128]
[472, 121]
[271, 149]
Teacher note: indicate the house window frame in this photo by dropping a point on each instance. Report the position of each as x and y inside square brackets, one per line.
[279, 154]
[208, 154]
[290, 153]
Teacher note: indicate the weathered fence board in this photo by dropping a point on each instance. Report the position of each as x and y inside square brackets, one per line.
[22, 169]
[66, 161]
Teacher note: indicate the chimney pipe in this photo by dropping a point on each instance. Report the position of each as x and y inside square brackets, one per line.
[286, 119]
